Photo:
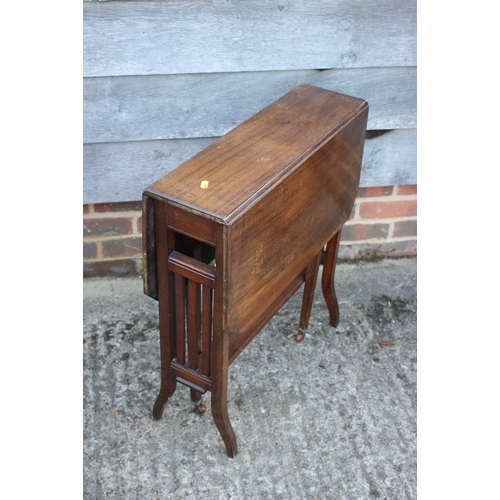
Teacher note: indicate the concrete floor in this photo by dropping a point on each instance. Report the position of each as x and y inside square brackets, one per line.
[334, 416]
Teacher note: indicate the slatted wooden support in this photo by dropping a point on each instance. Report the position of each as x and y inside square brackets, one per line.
[193, 285]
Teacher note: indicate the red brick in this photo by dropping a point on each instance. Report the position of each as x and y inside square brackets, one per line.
[408, 189]
[405, 228]
[388, 209]
[139, 225]
[86, 209]
[370, 192]
[127, 206]
[107, 226]
[122, 247]
[354, 232]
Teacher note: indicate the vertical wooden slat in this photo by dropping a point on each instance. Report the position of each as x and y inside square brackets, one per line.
[192, 327]
[198, 321]
[179, 319]
[206, 329]
[192, 331]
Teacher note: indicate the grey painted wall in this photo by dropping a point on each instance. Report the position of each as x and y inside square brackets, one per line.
[163, 79]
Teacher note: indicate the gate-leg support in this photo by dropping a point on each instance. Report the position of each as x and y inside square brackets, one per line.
[327, 282]
[165, 300]
[309, 288]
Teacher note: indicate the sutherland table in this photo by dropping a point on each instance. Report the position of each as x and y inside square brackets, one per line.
[232, 233]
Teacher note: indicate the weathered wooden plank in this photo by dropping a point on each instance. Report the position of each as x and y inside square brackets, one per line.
[207, 105]
[188, 36]
[120, 171]
[390, 159]
[115, 172]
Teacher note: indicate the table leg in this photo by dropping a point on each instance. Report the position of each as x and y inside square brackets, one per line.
[327, 282]
[168, 382]
[220, 362]
[220, 348]
[165, 298]
[309, 288]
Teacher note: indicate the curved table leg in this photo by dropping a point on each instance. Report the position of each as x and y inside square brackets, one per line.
[164, 395]
[168, 381]
[220, 351]
[220, 355]
[309, 288]
[221, 418]
[327, 282]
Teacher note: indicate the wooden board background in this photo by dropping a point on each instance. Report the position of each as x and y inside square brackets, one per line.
[163, 79]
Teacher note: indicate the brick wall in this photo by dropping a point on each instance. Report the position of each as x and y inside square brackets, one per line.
[112, 239]
[383, 223]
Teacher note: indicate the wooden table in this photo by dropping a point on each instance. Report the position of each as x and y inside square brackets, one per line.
[231, 234]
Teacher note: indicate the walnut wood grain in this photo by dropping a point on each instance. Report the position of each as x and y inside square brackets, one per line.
[246, 162]
[283, 231]
[191, 224]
